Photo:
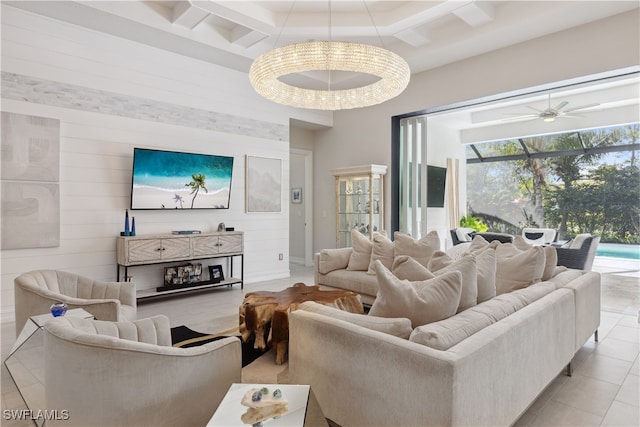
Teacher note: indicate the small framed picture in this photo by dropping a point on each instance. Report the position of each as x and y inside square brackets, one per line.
[170, 275]
[296, 195]
[215, 273]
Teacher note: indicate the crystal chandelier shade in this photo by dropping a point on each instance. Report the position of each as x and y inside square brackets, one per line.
[393, 71]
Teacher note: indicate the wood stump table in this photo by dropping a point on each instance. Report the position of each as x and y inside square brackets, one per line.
[263, 308]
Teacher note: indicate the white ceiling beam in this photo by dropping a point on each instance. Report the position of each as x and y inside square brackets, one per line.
[188, 16]
[246, 37]
[475, 13]
[415, 37]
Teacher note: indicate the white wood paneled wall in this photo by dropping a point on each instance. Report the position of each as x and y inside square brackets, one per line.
[112, 95]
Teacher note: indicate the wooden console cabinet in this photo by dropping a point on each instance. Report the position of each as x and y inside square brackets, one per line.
[133, 251]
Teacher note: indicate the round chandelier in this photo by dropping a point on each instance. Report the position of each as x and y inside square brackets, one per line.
[393, 71]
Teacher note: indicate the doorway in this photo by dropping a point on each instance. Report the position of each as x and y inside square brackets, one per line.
[301, 207]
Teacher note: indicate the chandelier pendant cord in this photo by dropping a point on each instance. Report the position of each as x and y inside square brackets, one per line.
[286, 19]
[375, 27]
[327, 55]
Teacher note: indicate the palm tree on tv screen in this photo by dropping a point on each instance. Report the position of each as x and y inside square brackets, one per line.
[197, 183]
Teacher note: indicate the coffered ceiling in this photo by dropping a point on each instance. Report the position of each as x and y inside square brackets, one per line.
[426, 34]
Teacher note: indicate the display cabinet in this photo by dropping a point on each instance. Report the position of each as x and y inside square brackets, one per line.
[359, 201]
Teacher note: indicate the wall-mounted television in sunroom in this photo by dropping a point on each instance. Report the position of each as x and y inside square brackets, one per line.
[175, 180]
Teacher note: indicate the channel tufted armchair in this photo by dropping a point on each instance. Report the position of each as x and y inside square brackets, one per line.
[35, 291]
[128, 373]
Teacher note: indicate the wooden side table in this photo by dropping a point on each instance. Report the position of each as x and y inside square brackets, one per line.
[263, 308]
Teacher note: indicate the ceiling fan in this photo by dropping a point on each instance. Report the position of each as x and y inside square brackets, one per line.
[550, 113]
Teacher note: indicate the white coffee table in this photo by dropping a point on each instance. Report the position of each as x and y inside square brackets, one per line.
[25, 361]
[303, 409]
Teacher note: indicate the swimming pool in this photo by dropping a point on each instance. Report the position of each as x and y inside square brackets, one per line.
[616, 250]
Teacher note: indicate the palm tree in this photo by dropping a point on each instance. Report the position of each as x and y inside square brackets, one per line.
[178, 199]
[197, 183]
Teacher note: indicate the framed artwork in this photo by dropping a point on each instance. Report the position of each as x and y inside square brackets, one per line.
[264, 184]
[215, 273]
[296, 195]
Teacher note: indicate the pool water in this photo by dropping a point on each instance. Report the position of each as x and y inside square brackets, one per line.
[616, 250]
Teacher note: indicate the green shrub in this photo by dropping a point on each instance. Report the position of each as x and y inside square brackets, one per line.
[469, 221]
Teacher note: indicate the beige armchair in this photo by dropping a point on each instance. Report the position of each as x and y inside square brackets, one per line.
[35, 291]
[128, 374]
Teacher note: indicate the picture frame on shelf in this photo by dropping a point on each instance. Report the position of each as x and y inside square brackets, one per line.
[216, 275]
[296, 195]
[170, 276]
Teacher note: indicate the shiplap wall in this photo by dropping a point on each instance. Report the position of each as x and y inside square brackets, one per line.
[112, 95]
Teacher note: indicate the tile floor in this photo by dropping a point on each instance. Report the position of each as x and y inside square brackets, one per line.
[603, 390]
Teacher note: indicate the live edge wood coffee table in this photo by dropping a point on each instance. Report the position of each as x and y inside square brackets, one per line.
[261, 308]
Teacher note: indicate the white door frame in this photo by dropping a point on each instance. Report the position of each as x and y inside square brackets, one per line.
[307, 199]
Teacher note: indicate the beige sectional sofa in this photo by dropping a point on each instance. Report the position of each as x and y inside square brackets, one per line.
[482, 366]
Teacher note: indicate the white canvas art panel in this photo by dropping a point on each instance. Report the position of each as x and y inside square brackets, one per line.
[264, 184]
[30, 190]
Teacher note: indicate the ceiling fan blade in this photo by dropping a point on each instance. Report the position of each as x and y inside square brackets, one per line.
[581, 107]
[535, 109]
[560, 106]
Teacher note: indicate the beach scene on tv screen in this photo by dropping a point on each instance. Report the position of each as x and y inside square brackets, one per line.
[172, 180]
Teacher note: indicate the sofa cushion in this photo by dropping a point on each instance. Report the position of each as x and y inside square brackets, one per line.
[550, 256]
[333, 259]
[354, 281]
[421, 301]
[399, 327]
[516, 269]
[441, 263]
[564, 276]
[420, 250]
[361, 254]
[446, 333]
[382, 250]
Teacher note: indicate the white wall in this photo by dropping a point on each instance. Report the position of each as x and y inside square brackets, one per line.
[364, 135]
[112, 95]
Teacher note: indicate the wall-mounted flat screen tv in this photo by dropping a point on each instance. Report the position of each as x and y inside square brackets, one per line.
[176, 180]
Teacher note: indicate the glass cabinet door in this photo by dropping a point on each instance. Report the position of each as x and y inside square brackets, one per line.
[358, 203]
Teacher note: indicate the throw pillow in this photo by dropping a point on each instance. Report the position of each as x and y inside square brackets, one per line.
[464, 234]
[441, 263]
[361, 254]
[399, 327]
[333, 259]
[422, 301]
[407, 268]
[486, 266]
[382, 250]
[480, 242]
[420, 250]
[458, 250]
[550, 256]
[516, 269]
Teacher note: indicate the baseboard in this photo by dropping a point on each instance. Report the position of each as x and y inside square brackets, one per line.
[296, 260]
